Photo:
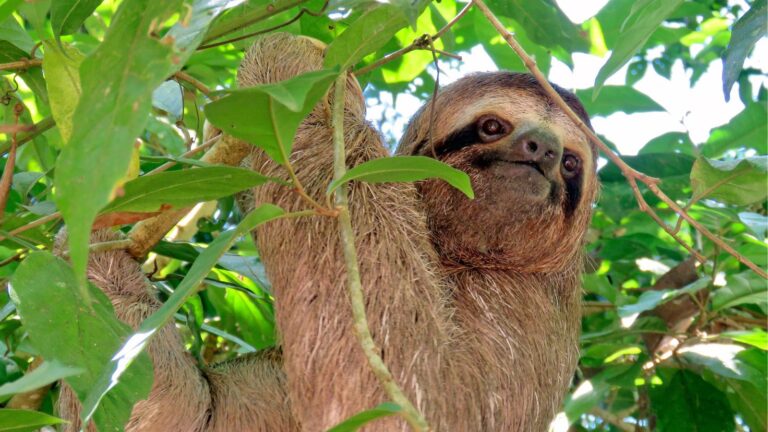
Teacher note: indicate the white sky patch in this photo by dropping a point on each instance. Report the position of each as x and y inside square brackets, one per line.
[579, 11]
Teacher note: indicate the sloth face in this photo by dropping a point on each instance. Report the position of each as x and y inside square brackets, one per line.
[532, 170]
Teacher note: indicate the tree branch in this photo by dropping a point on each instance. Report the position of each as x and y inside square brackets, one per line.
[424, 42]
[269, 29]
[379, 368]
[21, 64]
[37, 129]
[250, 18]
[181, 75]
[630, 173]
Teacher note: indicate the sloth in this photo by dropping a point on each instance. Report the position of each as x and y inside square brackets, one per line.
[474, 304]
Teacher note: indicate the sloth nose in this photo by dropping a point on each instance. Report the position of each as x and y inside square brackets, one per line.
[540, 146]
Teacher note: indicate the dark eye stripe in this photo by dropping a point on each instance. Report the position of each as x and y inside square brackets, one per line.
[572, 193]
[459, 139]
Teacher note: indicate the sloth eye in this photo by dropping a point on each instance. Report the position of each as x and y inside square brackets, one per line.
[491, 128]
[571, 164]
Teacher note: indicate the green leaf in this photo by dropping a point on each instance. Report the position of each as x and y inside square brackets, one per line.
[68, 15]
[745, 34]
[32, 76]
[13, 33]
[61, 328]
[7, 8]
[114, 105]
[747, 130]
[183, 188]
[19, 420]
[544, 23]
[660, 165]
[48, 372]
[687, 403]
[739, 181]
[617, 99]
[670, 142]
[268, 115]
[756, 337]
[743, 288]
[644, 18]
[61, 66]
[358, 420]
[749, 399]
[405, 169]
[650, 299]
[367, 34]
[721, 359]
[114, 367]
[169, 98]
[756, 223]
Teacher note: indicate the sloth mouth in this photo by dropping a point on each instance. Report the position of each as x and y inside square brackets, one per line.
[530, 164]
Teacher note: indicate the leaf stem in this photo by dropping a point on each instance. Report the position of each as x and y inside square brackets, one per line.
[379, 368]
[632, 175]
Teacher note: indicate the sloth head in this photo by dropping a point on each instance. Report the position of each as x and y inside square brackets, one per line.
[532, 170]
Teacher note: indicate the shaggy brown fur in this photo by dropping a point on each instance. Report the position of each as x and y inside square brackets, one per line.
[475, 304]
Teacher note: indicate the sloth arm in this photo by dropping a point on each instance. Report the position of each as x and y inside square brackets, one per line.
[246, 394]
[328, 377]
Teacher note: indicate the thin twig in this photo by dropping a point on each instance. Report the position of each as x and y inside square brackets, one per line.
[34, 224]
[10, 163]
[192, 80]
[105, 246]
[703, 194]
[630, 173]
[21, 64]
[198, 149]
[39, 127]
[422, 42]
[645, 208]
[379, 368]
[269, 29]
[16, 128]
[252, 17]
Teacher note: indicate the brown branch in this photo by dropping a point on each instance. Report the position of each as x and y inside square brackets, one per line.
[252, 17]
[145, 234]
[10, 163]
[21, 64]
[181, 75]
[34, 224]
[763, 323]
[422, 42]
[38, 128]
[15, 128]
[198, 149]
[703, 194]
[269, 29]
[630, 173]
[645, 208]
